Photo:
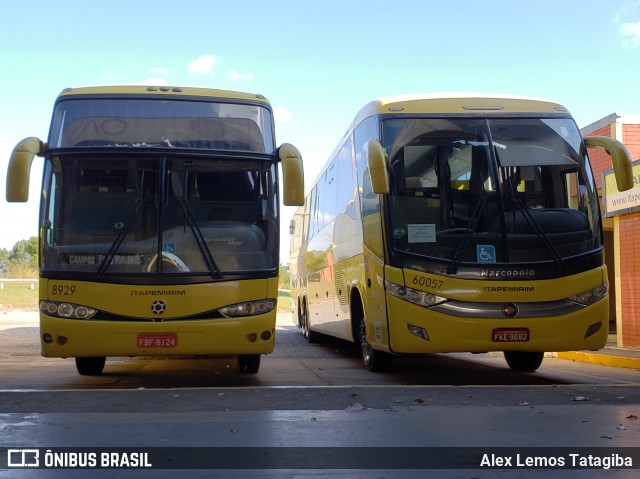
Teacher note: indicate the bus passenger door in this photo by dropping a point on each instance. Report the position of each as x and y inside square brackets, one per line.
[375, 303]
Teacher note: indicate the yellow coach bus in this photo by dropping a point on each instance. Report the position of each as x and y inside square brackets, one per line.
[456, 223]
[159, 223]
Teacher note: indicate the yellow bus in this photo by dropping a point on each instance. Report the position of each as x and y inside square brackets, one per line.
[456, 223]
[159, 223]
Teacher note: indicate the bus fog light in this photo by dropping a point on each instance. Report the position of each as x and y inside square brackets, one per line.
[252, 337]
[593, 329]
[266, 335]
[418, 331]
[47, 338]
[62, 340]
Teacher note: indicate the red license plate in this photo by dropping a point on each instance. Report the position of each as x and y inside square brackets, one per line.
[157, 340]
[510, 335]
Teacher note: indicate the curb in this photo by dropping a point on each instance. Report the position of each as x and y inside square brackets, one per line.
[602, 359]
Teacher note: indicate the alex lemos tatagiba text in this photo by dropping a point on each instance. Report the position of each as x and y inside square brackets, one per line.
[570, 460]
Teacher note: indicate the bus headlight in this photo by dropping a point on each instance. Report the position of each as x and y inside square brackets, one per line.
[591, 296]
[413, 295]
[67, 310]
[248, 308]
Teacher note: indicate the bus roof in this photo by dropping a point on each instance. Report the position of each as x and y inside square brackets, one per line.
[162, 90]
[458, 103]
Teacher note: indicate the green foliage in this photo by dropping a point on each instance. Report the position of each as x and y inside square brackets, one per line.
[21, 261]
[284, 277]
[284, 300]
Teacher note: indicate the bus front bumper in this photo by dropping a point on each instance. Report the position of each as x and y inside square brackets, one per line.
[415, 329]
[62, 338]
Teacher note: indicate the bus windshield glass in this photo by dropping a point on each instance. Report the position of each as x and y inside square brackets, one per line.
[161, 123]
[159, 214]
[512, 190]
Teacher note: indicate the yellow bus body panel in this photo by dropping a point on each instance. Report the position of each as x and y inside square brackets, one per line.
[454, 334]
[179, 92]
[505, 291]
[447, 333]
[133, 303]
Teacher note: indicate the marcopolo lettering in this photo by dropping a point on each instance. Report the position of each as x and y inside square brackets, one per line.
[507, 273]
[510, 289]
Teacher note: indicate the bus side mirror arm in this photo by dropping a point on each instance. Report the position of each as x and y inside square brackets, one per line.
[20, 168]
[292, 175]
[377, 164]
[619, 157]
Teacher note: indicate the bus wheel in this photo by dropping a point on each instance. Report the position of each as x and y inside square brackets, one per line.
[91, 366]
[374, 360]
[310, 336]
[523, 361]
[248, 363]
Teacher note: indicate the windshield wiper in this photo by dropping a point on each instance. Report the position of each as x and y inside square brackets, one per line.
[124, 231]
[202, 244]
[544, 238]
[454, 264]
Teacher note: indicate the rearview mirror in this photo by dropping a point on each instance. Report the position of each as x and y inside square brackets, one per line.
[292, 175]
[19, 168]
[377, 163]
[619, 157]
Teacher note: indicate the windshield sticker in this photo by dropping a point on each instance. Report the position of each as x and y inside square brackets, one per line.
[169, 248]
[421, 233]
[485, 253]
[96, 259]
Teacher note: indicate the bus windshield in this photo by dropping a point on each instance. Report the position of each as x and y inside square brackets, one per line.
[161, 123]
[510, 190]
[159, 215]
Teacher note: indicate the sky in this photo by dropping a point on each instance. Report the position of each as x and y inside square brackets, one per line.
[318, 62]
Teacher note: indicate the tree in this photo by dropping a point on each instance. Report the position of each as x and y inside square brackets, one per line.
[4, 261]
[285, 280]
[22, 261]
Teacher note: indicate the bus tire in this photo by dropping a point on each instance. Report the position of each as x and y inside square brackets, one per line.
[248, 363]
[311, 336]
[523, 361]
[374, 360]
[90, 366]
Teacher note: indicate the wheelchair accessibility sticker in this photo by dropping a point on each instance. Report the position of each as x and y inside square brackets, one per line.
[485, 253]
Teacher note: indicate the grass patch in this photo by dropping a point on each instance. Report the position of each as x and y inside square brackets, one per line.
[284, 300]
[18, 297]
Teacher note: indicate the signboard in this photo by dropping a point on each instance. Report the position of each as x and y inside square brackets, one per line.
[615, 202]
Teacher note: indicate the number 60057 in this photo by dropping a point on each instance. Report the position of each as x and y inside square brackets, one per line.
[427, 282]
